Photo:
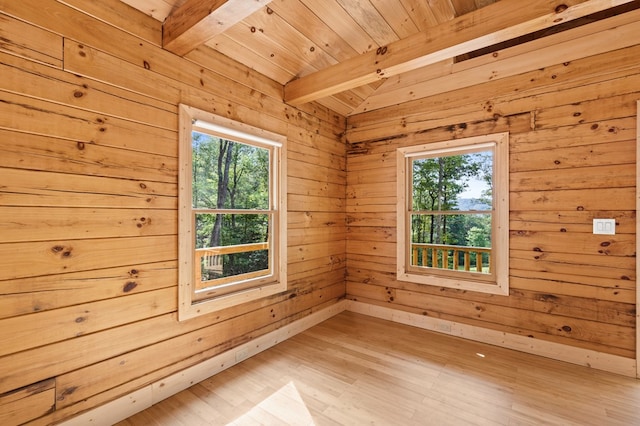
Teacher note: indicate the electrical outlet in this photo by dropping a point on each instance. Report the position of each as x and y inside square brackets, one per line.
[604, 226]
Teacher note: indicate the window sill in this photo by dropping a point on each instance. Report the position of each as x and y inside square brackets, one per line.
[188, 309]
[499, 287]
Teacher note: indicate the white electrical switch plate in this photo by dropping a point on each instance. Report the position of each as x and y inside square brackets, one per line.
[604, 226]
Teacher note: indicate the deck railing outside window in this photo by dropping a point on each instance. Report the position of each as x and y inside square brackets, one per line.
[211, 259]
[458, 258]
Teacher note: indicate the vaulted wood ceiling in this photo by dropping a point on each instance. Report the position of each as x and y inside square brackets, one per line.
[359, 55]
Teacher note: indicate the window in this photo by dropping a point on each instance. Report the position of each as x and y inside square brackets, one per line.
[232, 213]
[453, 214]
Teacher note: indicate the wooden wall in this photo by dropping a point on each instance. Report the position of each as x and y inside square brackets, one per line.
[88, 205]
[572, 158]
[88, 197]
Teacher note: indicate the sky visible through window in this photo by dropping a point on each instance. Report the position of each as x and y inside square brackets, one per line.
[474, 189]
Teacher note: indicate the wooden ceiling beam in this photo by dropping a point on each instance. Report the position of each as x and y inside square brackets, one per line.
[501, 21]
[597, 38]
[197, 21]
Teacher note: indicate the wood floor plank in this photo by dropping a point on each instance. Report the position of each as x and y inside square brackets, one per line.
[354, 369]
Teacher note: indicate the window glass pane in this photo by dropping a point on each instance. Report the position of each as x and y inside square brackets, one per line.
[231, 244]
[215, 230]
[227, 265]
[228, 174]
[456, 242]
[473, 230]
[455, 182]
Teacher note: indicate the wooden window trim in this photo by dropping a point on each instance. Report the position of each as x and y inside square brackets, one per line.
[498, 282]
[191, 305]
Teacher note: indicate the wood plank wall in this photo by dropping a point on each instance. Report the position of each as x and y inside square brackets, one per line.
[88, 205]
[572, 158]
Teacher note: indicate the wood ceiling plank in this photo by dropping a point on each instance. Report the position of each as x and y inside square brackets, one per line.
[462, 7]
[335, 105]
[197, 21]
[297, 15]
[231, 48]
[282, 39]
[253, 38]
[421, 13]
[342, 23]
[443, 10]
[482, 3]
[484, 27]
[368, 17]
[349, 100]
[365, 91]
[397, 17]
[306, 22]
[356, 96]
[157, 9]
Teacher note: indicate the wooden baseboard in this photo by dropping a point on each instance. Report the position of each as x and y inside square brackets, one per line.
[128, 405]
[598, 360]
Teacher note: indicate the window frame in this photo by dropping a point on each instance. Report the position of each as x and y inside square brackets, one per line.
[190, 303]
[498, 281]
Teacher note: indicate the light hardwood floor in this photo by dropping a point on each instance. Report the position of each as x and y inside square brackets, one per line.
[356, 370]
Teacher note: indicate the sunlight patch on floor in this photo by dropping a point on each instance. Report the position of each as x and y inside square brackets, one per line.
[285, 406]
